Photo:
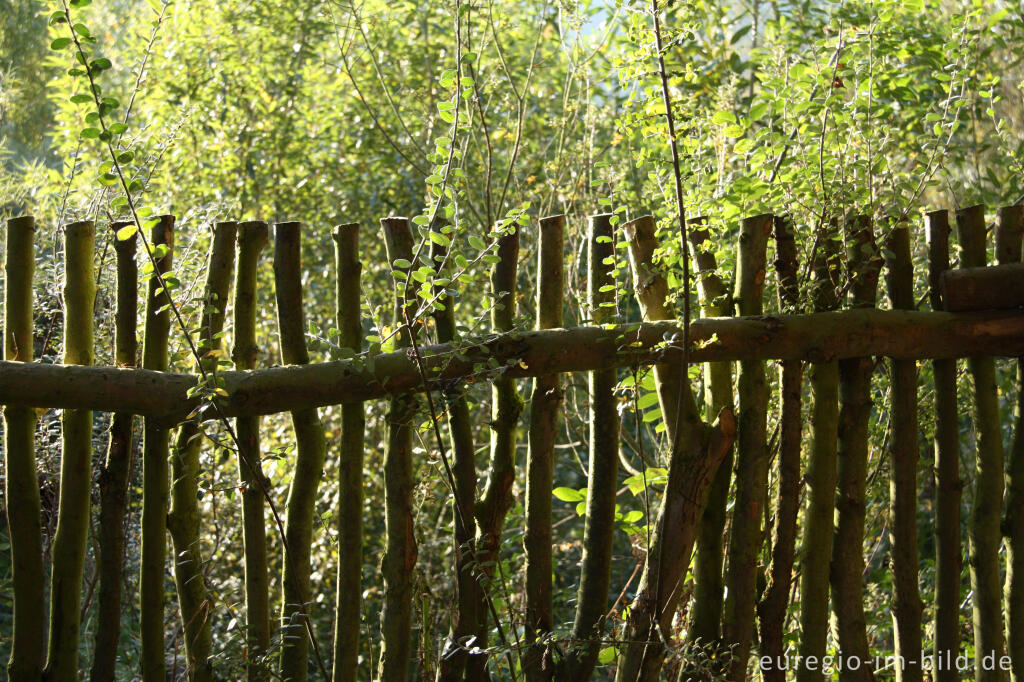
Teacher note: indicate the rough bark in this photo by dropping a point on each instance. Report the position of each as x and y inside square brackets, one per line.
[469, 592]
[311, 449]
[771, 610]
[113, 476]
[506, 407]
[854, 413]
[252, 237]
[400, 553]
[538, 664]
[809, 337]
[715, 301]
[183, 520]
[906, 606]
[816, 546]
[695, 453]
[348, 602]
[602, 470]
[751, 458]
[1009, 231]
[155, 452]
[21, 483]
[985, 532]
[948, 550]
[71, 538]
[984, 288]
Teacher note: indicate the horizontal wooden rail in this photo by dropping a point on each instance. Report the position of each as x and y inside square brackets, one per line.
[812, 337]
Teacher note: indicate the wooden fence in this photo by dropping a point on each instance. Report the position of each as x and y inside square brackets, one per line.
[837, 341]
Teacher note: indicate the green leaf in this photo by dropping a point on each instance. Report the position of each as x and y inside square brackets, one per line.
[117, 128]
[126, 232]
[100, 64]
[568, 494]
[81, 98]
[441, 239]
[91, 133]
[60, 43]
[401, 263]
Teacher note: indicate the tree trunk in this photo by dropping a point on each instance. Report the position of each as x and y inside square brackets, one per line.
[538, 663]
[155, 452]
[602, 470]
[506, 407]
[985, 532]
[906, 605]
[21, 489]
[854, 414]
[72, 536]
[695, 453]
[113, 478]
[400, 555]
[184, 519]
[751, 458]
[948, 551]
[1008, 250]
[706, 616]
[252, 237]
[771, 610]
[350, 468]
[311, 449]
[816, 548]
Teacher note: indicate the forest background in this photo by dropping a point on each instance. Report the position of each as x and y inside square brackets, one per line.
[331, 112]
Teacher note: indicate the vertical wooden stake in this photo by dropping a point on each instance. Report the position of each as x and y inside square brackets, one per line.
[71, 538]
[350, 468]
[751, 458]
[816, 548]
[948, 552]
[1009, 231]
[986, 535]
[547, 396]
[311, 449]
[696, 451]
[155, 452]
[183, 520]
[400, 555]
[113, 477]
[469, 591]
[772, 609]
[715, 301]
[847, 583]
[906, 605]
[603, 468]
[21, 490]
[252, 238]
[506, 407]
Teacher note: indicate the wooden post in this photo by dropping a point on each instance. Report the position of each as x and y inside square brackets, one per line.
[1009, 231]
[469, 591]
[751, 460]
[113, 476]
[252, 237]
[847, 584]
[400, 555]
[311, 449]
[715, 301]
[155, 452]
[772, 609]
[603, 468]
[816, 547]
[696, 451]
[21, 489]
[348, 602]
[506, 407]
[986, 535]
[538, 664]
[184, 519]
[948, 552]
[71, 538]
[906, 605]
